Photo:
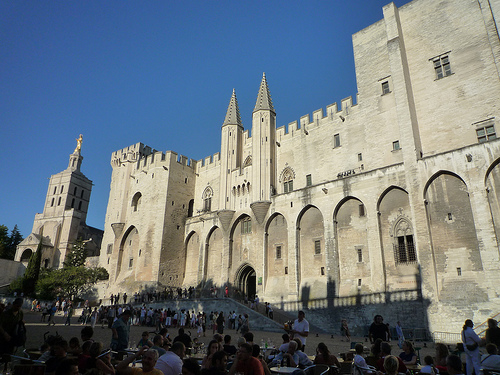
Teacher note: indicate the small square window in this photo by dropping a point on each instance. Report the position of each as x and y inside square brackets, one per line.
[360, 157]
[486, 133]
[286, 270]
[459, 271]
[317, 247]
[395, 146]
[442, 67]
[361, 210]
[130, 263]
[385, 88]
[278, 252]
[110, 248]
[308, 180]
[336, 140]
[359, 282]
[322, 271]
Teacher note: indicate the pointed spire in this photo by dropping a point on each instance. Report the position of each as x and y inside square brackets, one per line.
[233, 112]
[264, 100]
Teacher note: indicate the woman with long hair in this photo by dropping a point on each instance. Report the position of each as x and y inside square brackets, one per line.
[213, 347]
[471, 343]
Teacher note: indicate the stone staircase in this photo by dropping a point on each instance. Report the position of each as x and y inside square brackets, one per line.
[258, 322]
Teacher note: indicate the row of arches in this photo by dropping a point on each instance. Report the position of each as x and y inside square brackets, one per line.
[370, 244]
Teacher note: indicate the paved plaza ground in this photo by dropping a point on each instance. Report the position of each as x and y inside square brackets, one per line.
[36, 330]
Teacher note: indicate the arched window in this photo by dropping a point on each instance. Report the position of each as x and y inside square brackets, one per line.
[287, 177]
[207, 199]
[74, 191]
[136, 201]
[73, 203]
[404, 246]
[248, 161]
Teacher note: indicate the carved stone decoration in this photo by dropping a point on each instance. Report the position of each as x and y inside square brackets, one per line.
[260, 210]
[225, 217]
[117, 228]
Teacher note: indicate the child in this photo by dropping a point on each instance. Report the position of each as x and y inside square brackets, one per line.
[429, 366]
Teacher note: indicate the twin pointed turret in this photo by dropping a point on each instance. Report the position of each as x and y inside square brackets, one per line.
[264, 100]
[233, 112]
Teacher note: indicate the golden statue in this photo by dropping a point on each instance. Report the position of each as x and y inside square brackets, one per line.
[78, 145]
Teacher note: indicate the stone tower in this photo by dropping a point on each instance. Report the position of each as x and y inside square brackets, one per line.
[63, 218]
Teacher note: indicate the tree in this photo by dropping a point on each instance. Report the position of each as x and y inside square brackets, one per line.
[4, 240]
[76, 257]
[14, 240]
[69, 281]
[73, 279]
[33, 270]
[8, 244]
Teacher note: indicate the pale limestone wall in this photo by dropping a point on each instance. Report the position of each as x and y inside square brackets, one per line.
[433, 122]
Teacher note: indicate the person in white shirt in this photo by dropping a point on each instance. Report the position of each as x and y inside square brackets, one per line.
[491, 361]
[301, 329]
[471, 343]
[360, 362]
[170, 363]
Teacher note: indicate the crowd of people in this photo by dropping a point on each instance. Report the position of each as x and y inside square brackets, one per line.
[160, 355]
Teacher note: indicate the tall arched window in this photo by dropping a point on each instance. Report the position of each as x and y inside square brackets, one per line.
[404, 246]
[136, 201]
[207, 199]
[286, 178]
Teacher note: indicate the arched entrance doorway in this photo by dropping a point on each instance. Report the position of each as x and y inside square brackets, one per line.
[246, 281]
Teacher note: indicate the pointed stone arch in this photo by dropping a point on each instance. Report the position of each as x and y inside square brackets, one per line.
[192, 258]
[245, 280]
[276, 255]
[350, 225]
[248, 161]
[240, 238]
[128, 250]
[311, 254]
[453, 234]
[214, 248]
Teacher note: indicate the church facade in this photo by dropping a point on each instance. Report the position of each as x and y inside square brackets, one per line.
[389, 201]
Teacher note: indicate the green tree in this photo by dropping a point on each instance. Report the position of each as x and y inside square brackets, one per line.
[69, 281]
[4, 240]
[33, 270]
[14, 240]
[76, 257]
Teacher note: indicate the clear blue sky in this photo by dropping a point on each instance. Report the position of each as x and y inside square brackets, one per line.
[156, 72]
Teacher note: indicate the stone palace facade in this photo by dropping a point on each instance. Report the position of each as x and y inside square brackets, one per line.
[388, 204]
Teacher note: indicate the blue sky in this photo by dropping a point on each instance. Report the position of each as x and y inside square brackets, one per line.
[156, 72]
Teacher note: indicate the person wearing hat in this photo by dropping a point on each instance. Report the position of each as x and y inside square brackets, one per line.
[121, 331]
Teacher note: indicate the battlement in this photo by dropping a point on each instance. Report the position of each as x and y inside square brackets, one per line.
[208, 162]
[306, 122]
[158, 159]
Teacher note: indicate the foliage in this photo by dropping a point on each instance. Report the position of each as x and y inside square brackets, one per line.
[16, 284]
[76, 257]
[8, 243]
[69, 281]
[33, 270]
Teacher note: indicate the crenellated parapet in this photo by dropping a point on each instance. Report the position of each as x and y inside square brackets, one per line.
[209, 162]
[130, 154]
[307, 122]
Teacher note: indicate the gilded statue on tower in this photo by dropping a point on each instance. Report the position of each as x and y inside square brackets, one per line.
[78, 148]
